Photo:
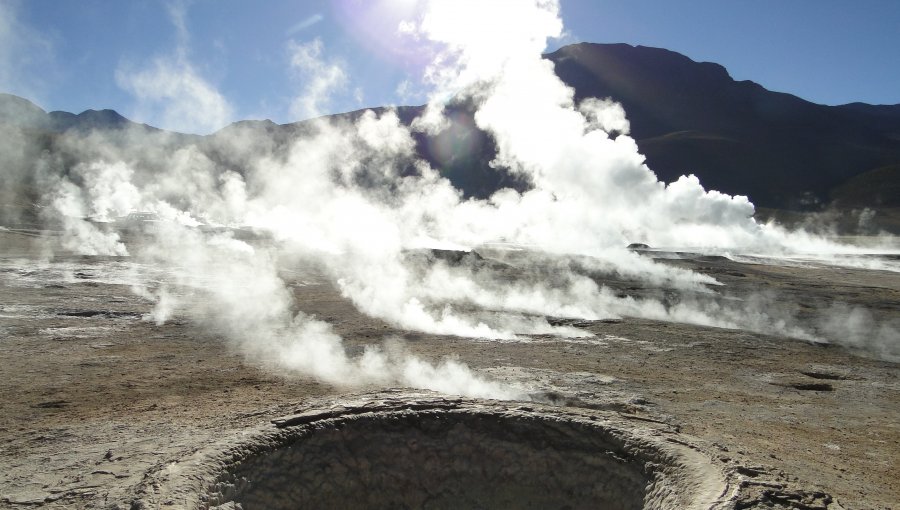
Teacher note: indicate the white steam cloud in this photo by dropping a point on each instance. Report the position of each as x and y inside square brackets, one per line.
[350, 200]
[243, 298]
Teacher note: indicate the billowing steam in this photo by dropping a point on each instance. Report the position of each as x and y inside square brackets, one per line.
[351, 201]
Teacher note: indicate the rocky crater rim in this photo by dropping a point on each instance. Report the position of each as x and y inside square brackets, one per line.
[421, 450]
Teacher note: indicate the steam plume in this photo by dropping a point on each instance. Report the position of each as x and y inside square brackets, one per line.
[352, 200]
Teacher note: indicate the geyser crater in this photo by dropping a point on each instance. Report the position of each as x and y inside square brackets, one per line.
[420, 450]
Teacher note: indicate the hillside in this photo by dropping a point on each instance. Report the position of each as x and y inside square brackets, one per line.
[736, 136]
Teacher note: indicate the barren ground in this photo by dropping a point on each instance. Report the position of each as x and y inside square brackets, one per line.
[94, 397]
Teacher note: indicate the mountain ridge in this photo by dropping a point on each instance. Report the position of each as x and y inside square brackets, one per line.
[686, 117]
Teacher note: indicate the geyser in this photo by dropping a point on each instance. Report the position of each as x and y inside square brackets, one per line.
[423, 451]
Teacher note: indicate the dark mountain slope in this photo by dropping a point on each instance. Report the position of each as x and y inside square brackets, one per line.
[22, 113]
[737, 137]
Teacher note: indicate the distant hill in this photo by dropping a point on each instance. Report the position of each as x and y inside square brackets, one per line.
[20, 112]
[736, 136]
[785, 153]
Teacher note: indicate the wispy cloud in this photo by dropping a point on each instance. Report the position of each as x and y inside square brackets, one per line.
[177, 11]
[304, 24]
[408, 92]
[170, 92]
[22, 50]
[172, 95]
[321, 78]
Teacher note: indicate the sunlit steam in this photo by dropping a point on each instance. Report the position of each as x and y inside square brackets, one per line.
[352, 201]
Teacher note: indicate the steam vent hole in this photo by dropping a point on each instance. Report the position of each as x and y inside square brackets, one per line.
[451, 459]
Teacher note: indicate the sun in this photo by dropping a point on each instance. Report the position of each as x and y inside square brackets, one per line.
[401, 8]
[377, 26]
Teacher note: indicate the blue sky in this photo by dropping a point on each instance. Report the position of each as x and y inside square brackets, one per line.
[245, 59]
